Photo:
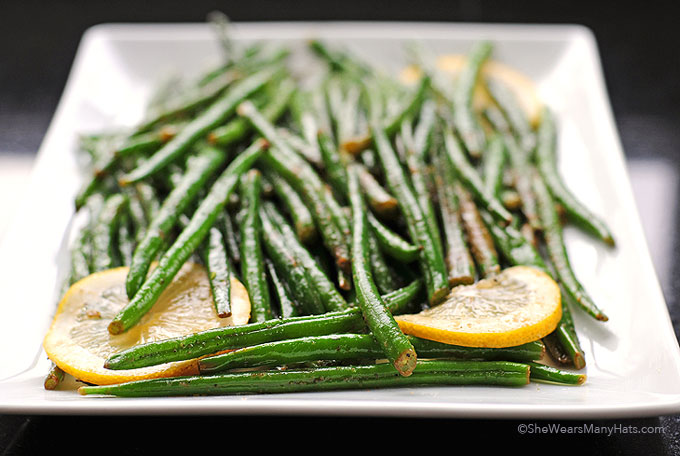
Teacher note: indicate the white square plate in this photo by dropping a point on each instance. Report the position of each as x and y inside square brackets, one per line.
[633, 360]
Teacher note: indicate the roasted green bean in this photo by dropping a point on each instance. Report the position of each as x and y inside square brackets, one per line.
[395, 345]
[547, 165]
[429, 372]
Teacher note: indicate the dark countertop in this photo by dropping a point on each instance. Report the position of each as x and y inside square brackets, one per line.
[638, 45]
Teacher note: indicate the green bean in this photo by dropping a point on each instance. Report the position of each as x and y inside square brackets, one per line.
[238, 128]
[421, 181]
[235, 129]
[349, 120]
[394, 92]
[390, 96]
[479, 239]
[459, 262]
[219, 272]
[334, 164]
[187, 242]
[222, 29]
[391, 242]
[338, 212]
[555, 349]
[333, 101]
[369, 159]
[322, 258]
[278, 137]
[309, 152]
[408, 109]
[426, 61]
[165, 182]
[190, 100]
[547, 165]
[302, 177]
[552, 235]
[330, 296]
[520, 168]
[149, 199]
[377, 197]
[512, 245]
[396, 347]
[199, 127]
[429, 372]
[293, 351]
[402, 300]
[507, 102]
[352, 347]
[431, 259]
[531, 351]
[231, 237]
[102, 150]
[54, 377]
[494, 161]
[563, 343]
[104, 233]
[137, 215]
[294, 206]
[251, 59]
[252, 261]
[529, 233]
[472, 180]
[568, 339]
[548, 374]
[374, 105]
[80, 262]
[200, 168]
[464, 117]
[287, 307]
[89, 188]
[287, 262]
[212, 341]
[135, 145]
[309, 115]
[383, 275]
[80, 251]
[90, 143]
[424, 129]
[230, 337]
[391, 125]
[338, 60]
[273, 56]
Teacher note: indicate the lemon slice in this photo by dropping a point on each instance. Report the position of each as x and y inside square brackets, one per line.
[521, 85]
[79, 342]
[520, 305]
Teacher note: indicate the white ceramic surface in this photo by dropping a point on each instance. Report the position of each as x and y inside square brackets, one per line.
[633, 360]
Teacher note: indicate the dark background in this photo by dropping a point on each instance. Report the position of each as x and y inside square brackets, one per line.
[638, 43]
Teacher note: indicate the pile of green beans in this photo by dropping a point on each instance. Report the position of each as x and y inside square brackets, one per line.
[338, 204]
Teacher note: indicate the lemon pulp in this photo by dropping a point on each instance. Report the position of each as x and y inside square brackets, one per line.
[520, 305]
[78, 340]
